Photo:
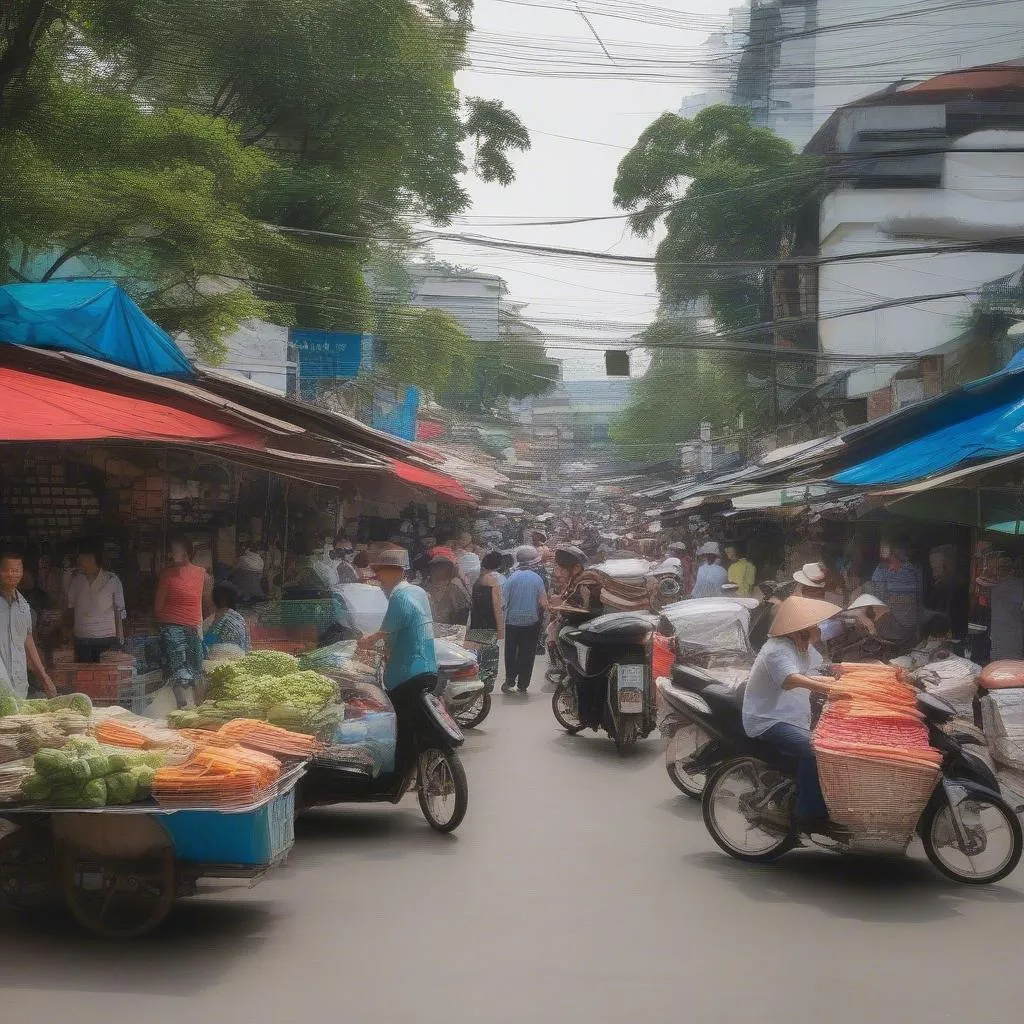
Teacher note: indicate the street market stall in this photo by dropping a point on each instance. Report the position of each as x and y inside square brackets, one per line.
[116, 817]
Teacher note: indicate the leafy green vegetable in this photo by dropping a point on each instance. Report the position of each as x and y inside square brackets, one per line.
[52, 764]
[78, 769]
[82, 745]
[36, 788]
[144, 779]
[99, 766]
[8, 704]
[94, 793]
[122, 787]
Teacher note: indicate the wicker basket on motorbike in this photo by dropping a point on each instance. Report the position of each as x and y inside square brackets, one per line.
[876, 767]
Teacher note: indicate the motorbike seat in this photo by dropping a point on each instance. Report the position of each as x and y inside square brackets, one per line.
[689, 677]
[724, 698]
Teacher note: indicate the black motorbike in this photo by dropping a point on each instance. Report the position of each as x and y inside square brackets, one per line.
[436, 772]
[969, 832]
[695, 752]
[607, 682]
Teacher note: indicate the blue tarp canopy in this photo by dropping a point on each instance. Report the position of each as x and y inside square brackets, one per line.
[90, 318]
[983, 420]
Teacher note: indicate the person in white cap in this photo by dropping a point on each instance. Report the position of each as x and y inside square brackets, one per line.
[777, 699]
[408, 631]
[711, 575]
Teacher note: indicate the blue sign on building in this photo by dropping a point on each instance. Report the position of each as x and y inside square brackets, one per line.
[396, 413]
[329, 355]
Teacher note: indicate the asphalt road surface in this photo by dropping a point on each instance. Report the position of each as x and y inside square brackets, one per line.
[581, 888]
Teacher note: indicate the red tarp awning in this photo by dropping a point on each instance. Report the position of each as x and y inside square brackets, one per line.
[443, 485]
[44, 409]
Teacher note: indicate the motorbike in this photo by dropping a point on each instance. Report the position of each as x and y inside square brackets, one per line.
[623, 586]
[607, 659]
[459, 683]
[709, 643]
[436, 773]
[970, 834]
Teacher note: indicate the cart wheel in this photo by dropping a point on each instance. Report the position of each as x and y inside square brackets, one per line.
[119, 899]
[28, 869]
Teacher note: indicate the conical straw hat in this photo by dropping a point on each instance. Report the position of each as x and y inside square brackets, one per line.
[797, 613]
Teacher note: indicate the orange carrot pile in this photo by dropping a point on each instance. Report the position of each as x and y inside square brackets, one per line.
[878, 719]
[269, 738]
[117, 735]
[217, 777]
[205, 738]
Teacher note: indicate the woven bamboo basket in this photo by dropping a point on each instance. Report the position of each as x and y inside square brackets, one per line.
[874, 796]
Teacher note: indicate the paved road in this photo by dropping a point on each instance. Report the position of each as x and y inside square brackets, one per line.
[579, 889]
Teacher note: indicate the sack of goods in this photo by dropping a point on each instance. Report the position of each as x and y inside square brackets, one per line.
[1002, 715]
[953, 679]
[876, 766]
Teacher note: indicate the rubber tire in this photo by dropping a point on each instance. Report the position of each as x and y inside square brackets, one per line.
[461, 792]
[785, 846]
[572, 730]
[925, 830]
[625, 739]
[485, 710]
[160, 906]
[694, 793]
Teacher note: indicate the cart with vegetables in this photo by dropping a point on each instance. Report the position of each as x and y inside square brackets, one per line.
[116, 816]
[119, 869]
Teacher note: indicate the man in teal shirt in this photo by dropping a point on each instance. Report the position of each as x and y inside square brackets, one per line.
[408, 631]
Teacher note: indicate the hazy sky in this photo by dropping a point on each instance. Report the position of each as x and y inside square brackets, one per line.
[560, 177]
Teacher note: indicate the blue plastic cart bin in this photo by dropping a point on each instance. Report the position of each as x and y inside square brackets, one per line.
[256, 837]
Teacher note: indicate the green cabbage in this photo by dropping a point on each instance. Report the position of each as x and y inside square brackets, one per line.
[36, 788]
[52, 764]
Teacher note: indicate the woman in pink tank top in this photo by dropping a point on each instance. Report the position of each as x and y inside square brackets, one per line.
[180, 595]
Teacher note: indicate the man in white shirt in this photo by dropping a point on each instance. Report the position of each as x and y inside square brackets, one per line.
[95, 607]
[777, 700]
[18, 650]
[711, 575]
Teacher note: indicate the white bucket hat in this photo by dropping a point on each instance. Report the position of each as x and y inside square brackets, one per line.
[710, 548]
[396, 558]
[811, 575]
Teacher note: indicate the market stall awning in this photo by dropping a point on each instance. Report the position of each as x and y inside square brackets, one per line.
[91, 318]
[991, 434]
[444, 486]
[45, 409]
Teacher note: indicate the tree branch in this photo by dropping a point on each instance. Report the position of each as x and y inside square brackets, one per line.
[72, 252]
[23, 40]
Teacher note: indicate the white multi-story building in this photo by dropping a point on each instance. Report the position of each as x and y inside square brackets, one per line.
[719, 63]
[935, 165]
[799, 60]
[472, 298]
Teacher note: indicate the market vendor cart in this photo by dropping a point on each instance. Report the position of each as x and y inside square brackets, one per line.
[120, 869]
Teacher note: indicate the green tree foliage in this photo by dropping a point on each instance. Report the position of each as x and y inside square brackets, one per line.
[724, 189]
[425, 347]
[683, 386]
[268, 146]
[515, 365]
